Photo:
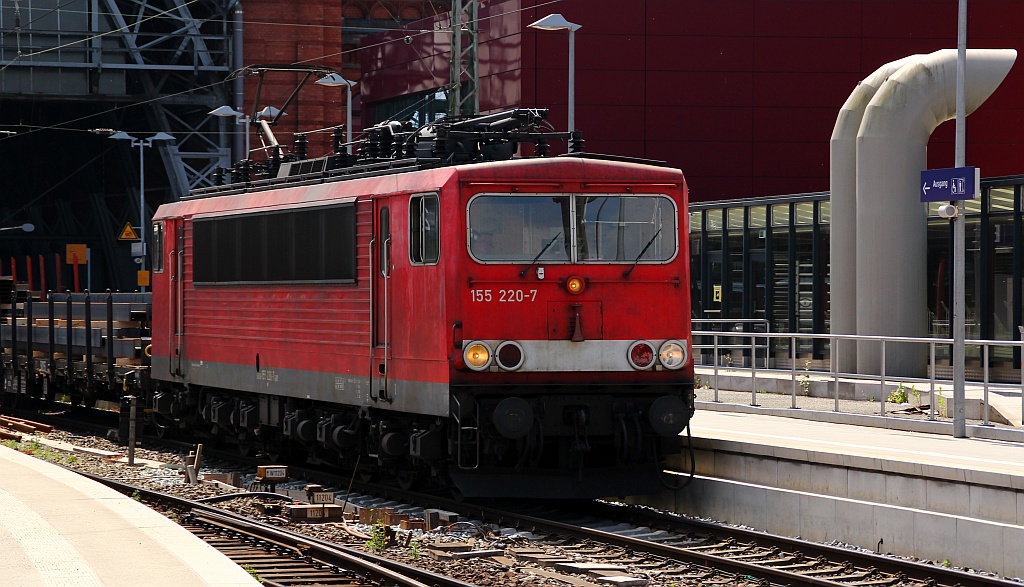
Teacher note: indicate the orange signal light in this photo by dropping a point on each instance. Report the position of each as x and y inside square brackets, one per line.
[575, 285]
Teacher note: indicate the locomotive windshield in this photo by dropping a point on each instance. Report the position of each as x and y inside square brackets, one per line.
[592, 228]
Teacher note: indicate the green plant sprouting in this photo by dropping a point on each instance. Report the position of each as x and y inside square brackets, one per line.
[898, 395]
[252, 572]
[378, 537]
[805, 379]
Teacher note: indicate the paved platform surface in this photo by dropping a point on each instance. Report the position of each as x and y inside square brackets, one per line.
[972, 460]
[58, 528]
[815, 391]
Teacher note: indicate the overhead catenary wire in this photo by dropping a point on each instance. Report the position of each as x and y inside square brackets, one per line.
[60, 125]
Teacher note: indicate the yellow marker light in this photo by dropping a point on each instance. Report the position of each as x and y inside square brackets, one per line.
[477, 356]
[575, 285]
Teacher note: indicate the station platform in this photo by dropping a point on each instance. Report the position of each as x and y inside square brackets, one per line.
[884, 486]
[58, 528]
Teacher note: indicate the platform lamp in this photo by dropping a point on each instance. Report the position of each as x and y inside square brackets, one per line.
[141, 143]
[240, 118]
[557, 22]
[27, 227]
[334, 80]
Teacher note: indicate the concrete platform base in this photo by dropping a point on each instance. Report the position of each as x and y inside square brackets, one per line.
[904, 531]
[908, 493]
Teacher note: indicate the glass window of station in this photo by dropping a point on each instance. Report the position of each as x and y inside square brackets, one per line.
[762, 264]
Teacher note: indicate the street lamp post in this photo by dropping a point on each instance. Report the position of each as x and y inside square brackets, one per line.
[333, 80]
[556, 22]
[141, 143]
[239, 119]
[959, 231]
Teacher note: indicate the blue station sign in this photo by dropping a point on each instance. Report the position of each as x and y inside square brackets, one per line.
[954, 183]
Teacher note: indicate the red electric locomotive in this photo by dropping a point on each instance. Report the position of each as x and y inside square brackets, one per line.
[515, 327]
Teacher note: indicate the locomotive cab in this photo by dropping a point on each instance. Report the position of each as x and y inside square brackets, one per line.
[574, 330]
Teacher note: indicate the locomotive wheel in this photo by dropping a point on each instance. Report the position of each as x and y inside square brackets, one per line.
[406, 480]
[246, 444]
[9, 400]
[165, 429]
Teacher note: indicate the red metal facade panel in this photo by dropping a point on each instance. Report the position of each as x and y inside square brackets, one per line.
[768, 75]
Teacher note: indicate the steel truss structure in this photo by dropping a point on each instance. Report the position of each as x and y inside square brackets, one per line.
[462, 96]
[169, 57]
[140, 66]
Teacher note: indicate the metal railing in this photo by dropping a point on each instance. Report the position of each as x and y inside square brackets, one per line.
[750, 327]
[770, 340]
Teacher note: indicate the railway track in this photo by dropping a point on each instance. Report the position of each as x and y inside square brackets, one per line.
[665, 548]
[633, 537]
[285, 558]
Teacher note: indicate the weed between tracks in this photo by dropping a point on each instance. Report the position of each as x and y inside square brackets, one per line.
[252, 572]
[42, 451]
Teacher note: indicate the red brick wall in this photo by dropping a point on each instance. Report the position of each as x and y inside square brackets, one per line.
[306, 32]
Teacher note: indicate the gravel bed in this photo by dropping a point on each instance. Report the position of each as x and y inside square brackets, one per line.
[410, 547]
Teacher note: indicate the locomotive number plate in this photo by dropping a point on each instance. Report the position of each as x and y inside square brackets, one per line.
[504, 295]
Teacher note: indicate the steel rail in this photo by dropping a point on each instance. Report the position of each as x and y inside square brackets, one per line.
[930, 574]
[915, 571]
[381, 570]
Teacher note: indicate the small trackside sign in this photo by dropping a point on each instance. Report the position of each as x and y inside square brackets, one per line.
[322, 497]
[954, 183]
[128, 233]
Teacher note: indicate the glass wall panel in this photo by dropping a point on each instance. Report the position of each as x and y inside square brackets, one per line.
[972, 279]
[734, 303]
[771, 260]
[781, 273]
[758, 216]
[696, 289]
[804, 214]
[1000, 282]
[822, 281]
[805, 278]
[940, 277]
[780, 215]
[757, 237]
[713, 260]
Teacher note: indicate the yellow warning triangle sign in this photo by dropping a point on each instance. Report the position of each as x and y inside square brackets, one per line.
[128, 233]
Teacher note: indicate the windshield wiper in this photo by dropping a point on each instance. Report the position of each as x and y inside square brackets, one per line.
[542, 251]
[647, 246]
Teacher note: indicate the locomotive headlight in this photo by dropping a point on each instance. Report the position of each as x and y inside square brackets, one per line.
[672, 354]
[575, 285]
[477, 355]
[641, 354]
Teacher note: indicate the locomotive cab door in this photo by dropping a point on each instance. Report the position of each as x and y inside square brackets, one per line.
[174, 265]
[380, 267]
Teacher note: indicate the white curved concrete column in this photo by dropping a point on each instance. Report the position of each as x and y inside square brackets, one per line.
[843, 229]
[891, 280]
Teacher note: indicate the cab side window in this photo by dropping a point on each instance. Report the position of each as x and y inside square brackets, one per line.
[158, 247]
[424, 233]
